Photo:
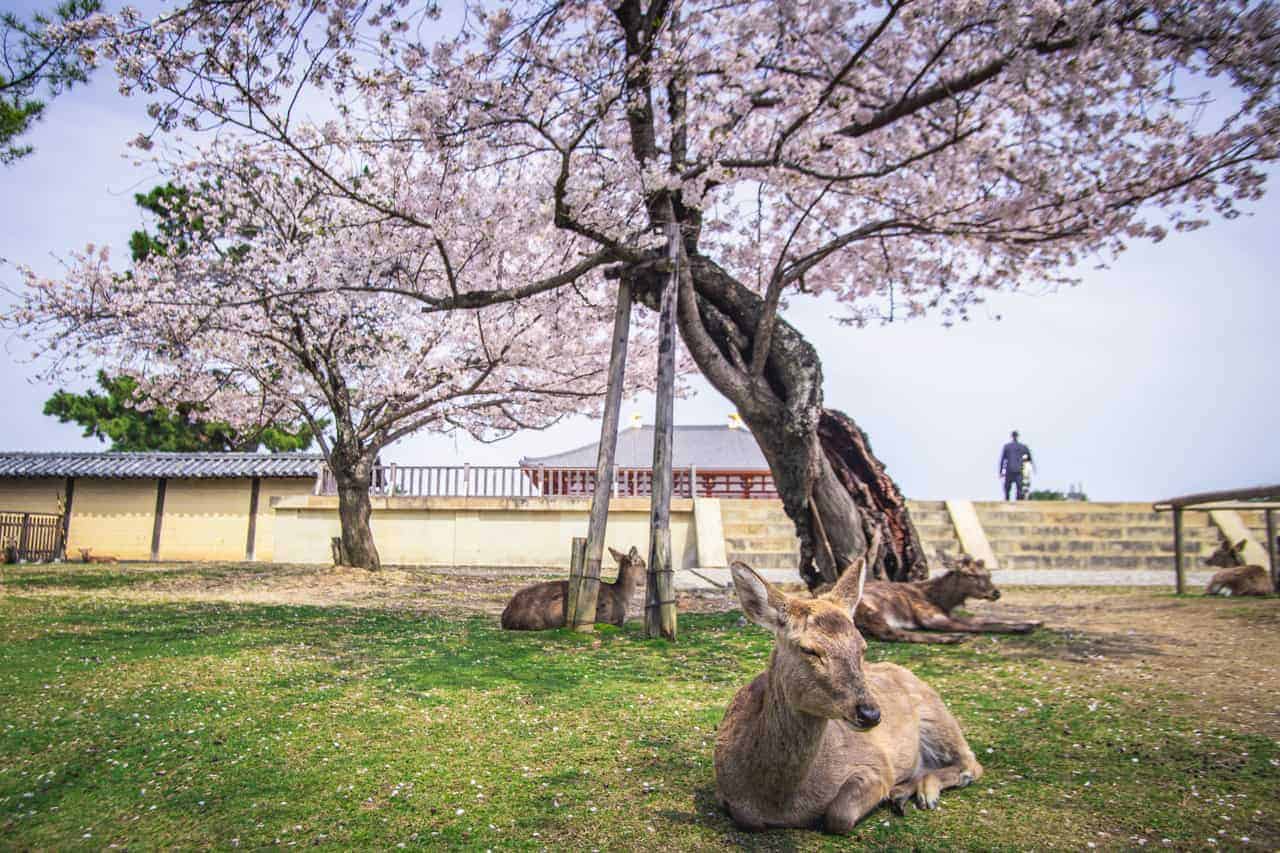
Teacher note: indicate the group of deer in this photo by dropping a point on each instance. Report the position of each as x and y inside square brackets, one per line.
[819, 738]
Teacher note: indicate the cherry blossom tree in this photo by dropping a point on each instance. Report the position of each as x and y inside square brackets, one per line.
[904, 157]
[287, 296]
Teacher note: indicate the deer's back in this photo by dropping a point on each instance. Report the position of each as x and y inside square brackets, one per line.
[899, 604]
[1241, 580]
[537, 608]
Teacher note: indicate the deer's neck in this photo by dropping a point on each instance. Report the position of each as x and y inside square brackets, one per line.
[944, 591]
[629, 575]
[788, 743]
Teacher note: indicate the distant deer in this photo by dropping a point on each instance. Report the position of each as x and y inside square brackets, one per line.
[87, 557]
[819, 738]
[1236, 578]
[542, 606]
[902, 612]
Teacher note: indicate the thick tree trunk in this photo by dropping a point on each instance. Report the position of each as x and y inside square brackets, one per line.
[832, 486]
[862, 475]
[355, 510]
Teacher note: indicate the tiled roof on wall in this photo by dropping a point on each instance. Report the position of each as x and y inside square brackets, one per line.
[709, 447]
[153, 465]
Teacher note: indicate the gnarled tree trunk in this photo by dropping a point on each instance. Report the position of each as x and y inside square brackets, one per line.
[353, 478]
[832, 486]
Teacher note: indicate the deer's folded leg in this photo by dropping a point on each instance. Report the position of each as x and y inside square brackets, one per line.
[861, 793]
[976, 625]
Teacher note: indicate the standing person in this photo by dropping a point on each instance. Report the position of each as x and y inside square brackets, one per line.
[1012, 457]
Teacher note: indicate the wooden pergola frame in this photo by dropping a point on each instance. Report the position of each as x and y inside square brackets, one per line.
[1265, 498]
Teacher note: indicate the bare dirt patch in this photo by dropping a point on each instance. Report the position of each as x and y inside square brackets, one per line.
[445, 592]
[1220, 657]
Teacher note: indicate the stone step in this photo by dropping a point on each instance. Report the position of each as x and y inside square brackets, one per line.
[1110, 562]
[750, 507]
[753, 544]
[1094, 577]
[1079, 531]
[767, 559]
[930, 517]
[998, 517]
[1015, 547]
[780, 518]
[739, 528]
[933, 529]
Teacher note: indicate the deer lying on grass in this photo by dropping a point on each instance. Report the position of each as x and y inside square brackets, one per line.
[902, 612]
[87, 557]
[1236, 578]
[819, 738]
[542, 606]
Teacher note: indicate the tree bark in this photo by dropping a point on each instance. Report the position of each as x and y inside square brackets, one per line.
[831, 485]
[355, 510]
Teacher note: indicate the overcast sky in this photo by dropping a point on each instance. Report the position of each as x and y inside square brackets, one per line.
[1152, 378]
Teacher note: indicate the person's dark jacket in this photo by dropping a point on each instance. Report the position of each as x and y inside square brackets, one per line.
[1012, 456]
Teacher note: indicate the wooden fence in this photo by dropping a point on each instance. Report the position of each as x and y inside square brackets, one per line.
[35, 537]
[493, 481]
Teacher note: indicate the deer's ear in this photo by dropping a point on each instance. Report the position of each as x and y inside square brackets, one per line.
[618, 555]
[761, 602]
[634, 555]
[848, 589]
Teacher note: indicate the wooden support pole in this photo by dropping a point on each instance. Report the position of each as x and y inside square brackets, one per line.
[1271, 550]
[161, 484]
[577, 563]
[1177, 551]
[24, 538]
[70, 494]
[250, 543]
[660, 604]
[583, 617]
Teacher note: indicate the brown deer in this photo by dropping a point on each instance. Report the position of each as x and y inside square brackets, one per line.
[1236, 578]
[542, 606]
[819, 738]
[903, 612]
[87, 557]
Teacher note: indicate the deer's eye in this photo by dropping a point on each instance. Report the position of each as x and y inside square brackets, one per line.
[810, 652]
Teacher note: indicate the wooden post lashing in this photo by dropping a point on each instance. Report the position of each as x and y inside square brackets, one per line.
[660, 605]
[577, 562]
[583, 617]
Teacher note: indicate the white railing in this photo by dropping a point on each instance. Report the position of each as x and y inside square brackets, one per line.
[510, 481]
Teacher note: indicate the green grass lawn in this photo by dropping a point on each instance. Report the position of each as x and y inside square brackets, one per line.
[187, 725]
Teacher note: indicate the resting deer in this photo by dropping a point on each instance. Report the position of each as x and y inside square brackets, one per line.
[542, 606]
[87, 557]
[1236, 578]
[819, 738]
[903, 612]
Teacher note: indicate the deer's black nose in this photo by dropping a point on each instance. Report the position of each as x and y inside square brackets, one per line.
[868, 716]
[995, 595]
